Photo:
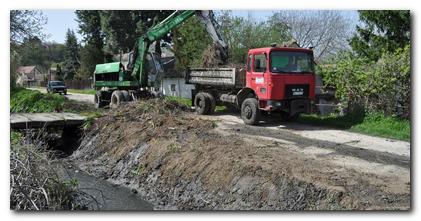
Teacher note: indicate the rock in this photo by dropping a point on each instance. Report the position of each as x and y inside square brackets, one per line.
[134, 191]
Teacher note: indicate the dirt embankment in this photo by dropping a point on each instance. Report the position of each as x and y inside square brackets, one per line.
[179, 161]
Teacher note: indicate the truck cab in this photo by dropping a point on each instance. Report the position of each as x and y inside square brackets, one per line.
[282, 79]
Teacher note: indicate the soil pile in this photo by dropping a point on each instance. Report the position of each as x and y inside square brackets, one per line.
[180, 161]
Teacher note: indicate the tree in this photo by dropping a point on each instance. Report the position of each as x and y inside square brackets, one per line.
[59, 72]
[123, 27]
[92, 52]
[25, 24]
[33, 52]
[381, 86]
[90, 55]
[55, 52]
[326, 31]
[243, 34]
[71, 58]
[190, 40]
[383, 31]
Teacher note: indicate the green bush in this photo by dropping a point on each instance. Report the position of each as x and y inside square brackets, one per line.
[382, 86]
[29, 101]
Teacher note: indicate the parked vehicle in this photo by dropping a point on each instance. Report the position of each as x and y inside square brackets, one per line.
[56, 87]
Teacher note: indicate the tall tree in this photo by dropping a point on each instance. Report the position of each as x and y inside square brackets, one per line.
[23, 24]
[383, 31]
[190, 40]
[90, 56]
[71, 58]
[34, 52]
[326, 31]
[55, 52]
[243, 34]
[92, 52]
[123, 27]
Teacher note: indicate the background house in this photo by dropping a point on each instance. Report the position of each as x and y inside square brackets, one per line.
[30, 76]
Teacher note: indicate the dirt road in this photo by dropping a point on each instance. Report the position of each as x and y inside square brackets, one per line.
[88, 98]
[185, 161]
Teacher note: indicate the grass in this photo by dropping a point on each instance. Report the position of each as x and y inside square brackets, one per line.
[371, 123]
[180, 100]
[35, 183]
[81, 91]
[90, 117]
[30, 101]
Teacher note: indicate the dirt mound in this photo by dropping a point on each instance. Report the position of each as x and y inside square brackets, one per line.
[211, 57]
[180, 161]
[120, 130]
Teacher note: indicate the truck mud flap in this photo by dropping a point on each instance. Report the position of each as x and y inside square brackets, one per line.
[299, 106]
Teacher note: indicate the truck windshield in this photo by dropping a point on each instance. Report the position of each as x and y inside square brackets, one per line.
[291, 62]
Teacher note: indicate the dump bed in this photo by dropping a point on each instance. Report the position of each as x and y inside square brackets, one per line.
[224, 77]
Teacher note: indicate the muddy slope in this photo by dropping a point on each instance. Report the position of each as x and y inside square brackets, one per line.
[179, 161]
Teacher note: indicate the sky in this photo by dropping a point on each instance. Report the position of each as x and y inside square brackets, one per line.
[58, 21]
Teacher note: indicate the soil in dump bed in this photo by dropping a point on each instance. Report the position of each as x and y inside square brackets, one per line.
[179, 161]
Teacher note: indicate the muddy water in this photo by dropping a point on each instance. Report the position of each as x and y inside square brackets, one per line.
[107, 196]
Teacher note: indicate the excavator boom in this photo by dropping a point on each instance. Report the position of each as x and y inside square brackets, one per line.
[163, 28]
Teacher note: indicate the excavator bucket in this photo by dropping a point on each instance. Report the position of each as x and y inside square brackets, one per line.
[212, 27]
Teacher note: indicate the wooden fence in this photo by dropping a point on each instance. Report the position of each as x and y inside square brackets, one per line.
[79, 84]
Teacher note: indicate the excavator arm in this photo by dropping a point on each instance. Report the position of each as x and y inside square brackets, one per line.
[163, 28]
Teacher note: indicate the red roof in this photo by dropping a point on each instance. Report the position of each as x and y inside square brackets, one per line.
[25, 69]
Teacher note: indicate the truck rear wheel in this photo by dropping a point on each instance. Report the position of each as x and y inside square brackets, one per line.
[250, 112]
[98, 100]
[116, 99]
[212, 103]
[202, 103]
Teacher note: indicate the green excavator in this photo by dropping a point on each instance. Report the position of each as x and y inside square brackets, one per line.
[115, 83]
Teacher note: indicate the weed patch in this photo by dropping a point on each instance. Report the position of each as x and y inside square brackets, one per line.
[29, 101]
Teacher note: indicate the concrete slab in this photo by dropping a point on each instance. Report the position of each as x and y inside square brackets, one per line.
[39, 120]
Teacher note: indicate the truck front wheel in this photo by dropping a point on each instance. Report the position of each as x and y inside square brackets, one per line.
[202, 104]
[116, 99]
[250, 112]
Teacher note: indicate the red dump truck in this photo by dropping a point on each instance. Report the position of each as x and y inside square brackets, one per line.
[275, 79]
